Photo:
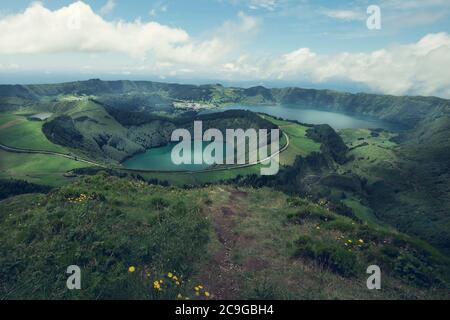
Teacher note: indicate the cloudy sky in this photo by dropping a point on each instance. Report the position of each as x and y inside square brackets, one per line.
[318, 43]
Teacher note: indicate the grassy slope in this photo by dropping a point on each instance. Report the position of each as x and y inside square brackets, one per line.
[17, 131]
[300, 145]
[362, 212]
[256, 227]
[119, 223]
[236, 243]
[102, 124]
[40, 169]
[413, 195]
[372, 155]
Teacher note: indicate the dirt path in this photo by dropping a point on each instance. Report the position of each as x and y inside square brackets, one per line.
[223, 276]
[227, 286]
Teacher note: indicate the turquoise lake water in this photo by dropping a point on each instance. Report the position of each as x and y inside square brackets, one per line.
[160, 159]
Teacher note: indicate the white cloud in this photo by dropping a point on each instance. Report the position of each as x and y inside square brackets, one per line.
[257, 4]
[246, 26]
[77, 29]
[265, 4]
[418, 68]
[108, 7]
[157, 8]
[400, 14]
[396, 14]
[71, 29]
[414, 4]
[349, 15]
[407, 18]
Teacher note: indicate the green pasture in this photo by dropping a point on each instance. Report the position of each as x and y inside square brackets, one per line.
[36, 168]
[19, 132]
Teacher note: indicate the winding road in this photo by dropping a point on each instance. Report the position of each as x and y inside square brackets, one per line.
[51, 153]
[75, 158]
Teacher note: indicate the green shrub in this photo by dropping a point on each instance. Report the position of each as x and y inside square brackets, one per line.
[159, 203]
[329, 255]
[309, 212]
[413, 270]
[373, 255]
[390, 251]
[263, 289]
[370, 235]
[296, 202]
[9, 188]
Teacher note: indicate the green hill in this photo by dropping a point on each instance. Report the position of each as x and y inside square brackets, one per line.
[270, 233]
[408, 110]
[234, 242]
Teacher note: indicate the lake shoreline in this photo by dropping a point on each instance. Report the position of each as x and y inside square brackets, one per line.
[388, 125]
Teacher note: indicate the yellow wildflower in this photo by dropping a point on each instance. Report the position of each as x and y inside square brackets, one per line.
[207, 294]
[170, 275]
[196, 288]
[131, 269]
[361, 241]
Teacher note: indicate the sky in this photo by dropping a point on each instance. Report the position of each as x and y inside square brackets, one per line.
[309, 43]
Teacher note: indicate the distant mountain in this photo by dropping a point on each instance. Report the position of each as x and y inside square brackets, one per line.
[405, 110]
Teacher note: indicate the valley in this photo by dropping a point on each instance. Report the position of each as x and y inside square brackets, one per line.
[352, 167]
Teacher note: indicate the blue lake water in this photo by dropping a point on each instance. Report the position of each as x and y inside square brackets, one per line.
[159, 159]
[312, 116]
